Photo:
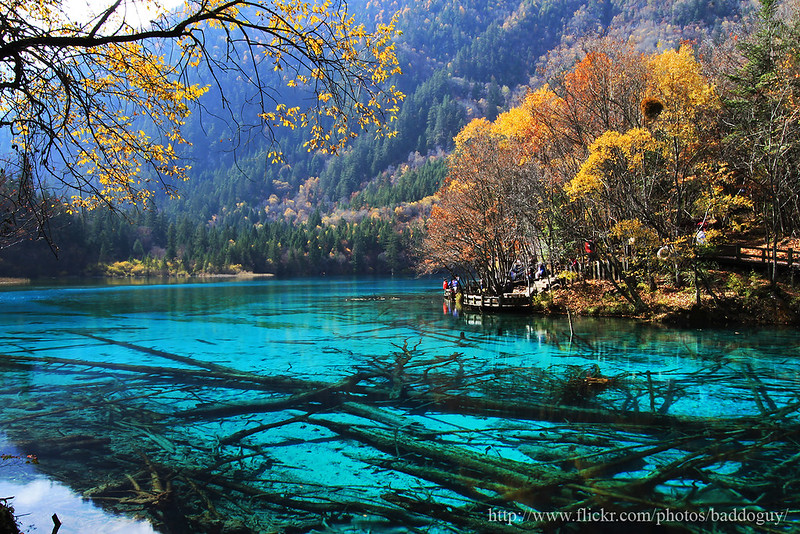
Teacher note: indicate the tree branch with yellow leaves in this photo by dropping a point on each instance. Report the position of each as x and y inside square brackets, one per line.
[95, 105]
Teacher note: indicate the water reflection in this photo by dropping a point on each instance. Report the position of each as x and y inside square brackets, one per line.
[36, 498]
[36, 501]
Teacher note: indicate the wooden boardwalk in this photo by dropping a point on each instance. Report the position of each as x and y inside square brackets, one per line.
[511, 301]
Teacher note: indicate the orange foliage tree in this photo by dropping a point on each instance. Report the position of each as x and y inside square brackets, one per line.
[473, 230]
[603, 91]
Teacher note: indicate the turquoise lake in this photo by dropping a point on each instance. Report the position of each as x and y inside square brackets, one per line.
[355, 405]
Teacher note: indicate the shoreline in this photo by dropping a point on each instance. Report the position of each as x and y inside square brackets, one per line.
[245, 275]
[777, 307]
[13, 281]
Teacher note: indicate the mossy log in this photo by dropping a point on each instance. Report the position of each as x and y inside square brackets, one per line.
[559, 413]
[233, 380]
[509, 472]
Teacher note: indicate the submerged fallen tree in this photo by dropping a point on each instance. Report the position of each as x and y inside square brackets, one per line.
[430, 443]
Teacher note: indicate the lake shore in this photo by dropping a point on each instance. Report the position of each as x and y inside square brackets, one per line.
[245, 275]
[756, 303]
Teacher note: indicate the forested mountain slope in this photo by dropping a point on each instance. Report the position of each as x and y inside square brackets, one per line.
[460, 60]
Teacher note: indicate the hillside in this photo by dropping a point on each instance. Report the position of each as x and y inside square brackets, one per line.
[459, 61]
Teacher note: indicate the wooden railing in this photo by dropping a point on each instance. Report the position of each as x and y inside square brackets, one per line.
[600, 269]
[746, 253]
[509, 300]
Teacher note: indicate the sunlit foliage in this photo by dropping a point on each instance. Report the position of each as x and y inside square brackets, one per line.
[621, 150]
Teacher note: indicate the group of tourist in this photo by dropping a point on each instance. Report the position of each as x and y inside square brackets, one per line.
[453, 286]
[517, 274]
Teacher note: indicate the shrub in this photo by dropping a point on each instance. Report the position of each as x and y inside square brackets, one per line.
[749, 288]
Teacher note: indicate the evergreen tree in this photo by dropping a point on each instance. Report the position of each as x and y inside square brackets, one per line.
[494, 100]
[138, 249]
[172, 246]
[763, 120]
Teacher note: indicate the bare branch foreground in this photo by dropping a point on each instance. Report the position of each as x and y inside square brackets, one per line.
[410, 441]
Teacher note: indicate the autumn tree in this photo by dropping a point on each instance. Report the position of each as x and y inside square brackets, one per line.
[95, 103]
[600, 93]
[682, 110]
[472, 231]
[652, 173]
[653, 176]
[615, 185]
[539, 155]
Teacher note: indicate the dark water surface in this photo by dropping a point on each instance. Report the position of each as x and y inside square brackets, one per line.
[366, 405]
